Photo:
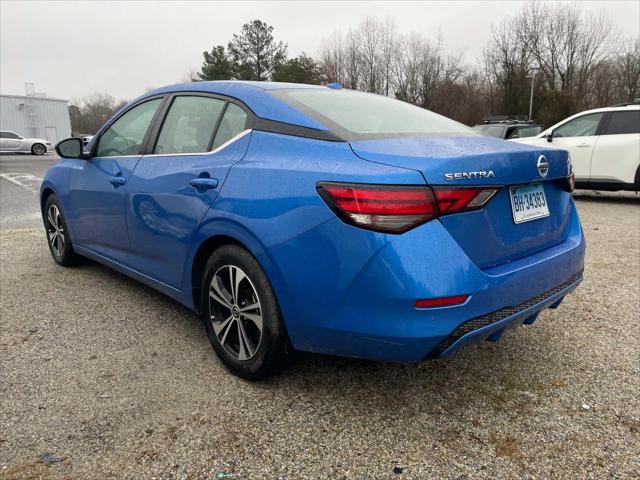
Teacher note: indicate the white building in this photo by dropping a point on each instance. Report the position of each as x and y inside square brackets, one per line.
[35, 117]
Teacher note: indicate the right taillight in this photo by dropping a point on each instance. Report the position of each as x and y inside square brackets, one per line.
[398, 208]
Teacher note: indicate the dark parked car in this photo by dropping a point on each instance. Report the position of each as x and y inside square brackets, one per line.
[508, 127]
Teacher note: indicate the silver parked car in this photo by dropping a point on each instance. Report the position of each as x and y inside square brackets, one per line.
[12, 142]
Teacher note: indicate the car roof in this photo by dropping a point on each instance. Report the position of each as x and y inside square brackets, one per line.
[254, 95]
[615, 108]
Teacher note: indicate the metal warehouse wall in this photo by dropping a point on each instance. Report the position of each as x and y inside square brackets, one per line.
[49, 119]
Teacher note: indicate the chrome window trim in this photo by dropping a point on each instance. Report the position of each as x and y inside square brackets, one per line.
[215, 150]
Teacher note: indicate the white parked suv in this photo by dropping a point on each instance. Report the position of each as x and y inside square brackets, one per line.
[604, 145]
[12, 142]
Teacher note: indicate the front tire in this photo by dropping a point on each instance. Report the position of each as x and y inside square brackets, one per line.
[38, 149]
[58, 234]
[242, 316]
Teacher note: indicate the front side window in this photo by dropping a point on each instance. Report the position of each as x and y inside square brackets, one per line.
[357, 115]
[624, 122]
[583, 126]
[126, 135]
[189, 125]
[233, 122]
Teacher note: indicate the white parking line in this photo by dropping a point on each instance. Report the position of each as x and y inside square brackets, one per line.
[27, 181]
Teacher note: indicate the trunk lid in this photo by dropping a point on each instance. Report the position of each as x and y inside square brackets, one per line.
[488, 236]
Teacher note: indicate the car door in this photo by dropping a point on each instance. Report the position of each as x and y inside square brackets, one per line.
[174, 185]
[97, 185]
[579, 137]
[617, 154]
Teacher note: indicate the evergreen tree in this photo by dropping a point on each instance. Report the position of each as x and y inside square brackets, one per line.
[302, 69]
[255, 53]
[216, 65]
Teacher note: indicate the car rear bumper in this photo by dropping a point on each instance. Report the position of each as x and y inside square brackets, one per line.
[492, 325]
[357, 297]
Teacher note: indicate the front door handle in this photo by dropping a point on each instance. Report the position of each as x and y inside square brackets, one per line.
[204, 183]
[584, 145]
[117, 181]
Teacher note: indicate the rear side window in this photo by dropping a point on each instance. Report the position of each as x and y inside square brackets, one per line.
[8, 135]
[233, 122]
[126, 134]
[189, 125]
[624, 122]
[583, 126]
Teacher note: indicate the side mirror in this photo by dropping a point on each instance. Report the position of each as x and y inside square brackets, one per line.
[549, 136]
[70, 148]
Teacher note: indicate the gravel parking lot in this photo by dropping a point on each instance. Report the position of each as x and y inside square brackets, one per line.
[102, 377]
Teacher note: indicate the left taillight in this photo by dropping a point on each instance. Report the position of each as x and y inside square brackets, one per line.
[398, 208]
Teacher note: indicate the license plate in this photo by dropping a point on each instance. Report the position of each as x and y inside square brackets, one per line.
[528, 203]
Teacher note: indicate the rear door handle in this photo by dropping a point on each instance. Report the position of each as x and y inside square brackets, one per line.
[117, 181]
[584, 145]
[203, 183]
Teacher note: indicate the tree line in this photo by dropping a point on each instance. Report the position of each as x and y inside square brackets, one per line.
[576, 59]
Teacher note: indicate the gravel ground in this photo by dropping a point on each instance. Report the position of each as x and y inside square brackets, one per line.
[114, 380]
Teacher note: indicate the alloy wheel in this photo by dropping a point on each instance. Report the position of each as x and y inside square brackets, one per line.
[55, 230]
[235, 312]
[38, 149]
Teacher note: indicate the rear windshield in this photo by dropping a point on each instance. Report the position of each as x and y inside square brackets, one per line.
[357, 116]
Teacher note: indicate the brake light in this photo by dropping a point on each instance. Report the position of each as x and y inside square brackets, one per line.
[386, 208]
[398, 208]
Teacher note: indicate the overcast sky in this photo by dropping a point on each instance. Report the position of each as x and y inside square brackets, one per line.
[71, 49]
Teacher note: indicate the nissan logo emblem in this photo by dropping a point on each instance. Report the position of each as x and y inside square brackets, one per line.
[543, 166]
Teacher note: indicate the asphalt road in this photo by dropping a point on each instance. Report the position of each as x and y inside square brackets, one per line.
[102, 377]
[20, 177]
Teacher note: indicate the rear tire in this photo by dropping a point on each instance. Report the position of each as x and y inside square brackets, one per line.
[38, 149]
[58, 234]
[242, 316]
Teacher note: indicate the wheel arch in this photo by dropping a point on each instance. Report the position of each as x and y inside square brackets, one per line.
[204, 251]
[46, 192]
[206, 244]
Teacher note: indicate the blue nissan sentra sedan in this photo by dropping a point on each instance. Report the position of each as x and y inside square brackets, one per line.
[314, 218]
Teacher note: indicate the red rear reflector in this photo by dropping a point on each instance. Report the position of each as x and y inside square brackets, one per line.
[441, 302]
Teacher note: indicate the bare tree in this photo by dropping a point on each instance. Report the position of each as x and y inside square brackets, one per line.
[352, 60]
[331, 59]
[388, 52]
[408, 67]
[628, 69]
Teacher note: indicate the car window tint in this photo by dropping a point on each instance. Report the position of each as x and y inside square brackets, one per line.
[523, 132]
[125, 135]
[189, 125]
[489, 130]
[579, 127]
[233, 122]
[8, 135]
[358, 115]
[624, 122]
